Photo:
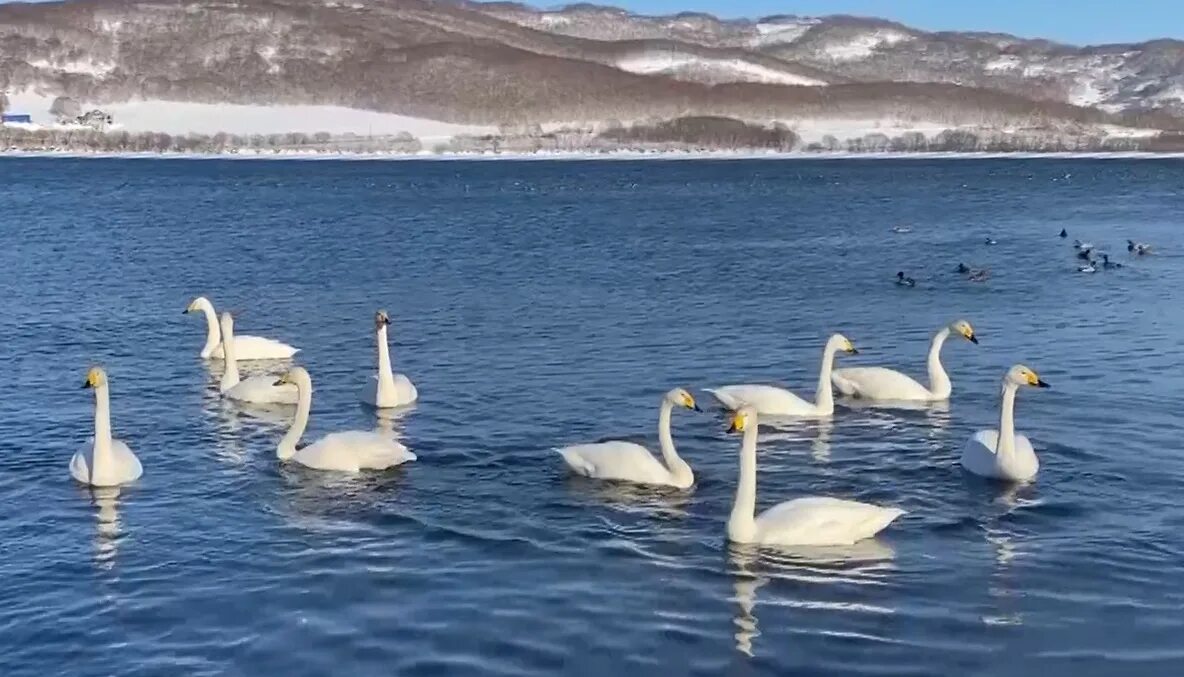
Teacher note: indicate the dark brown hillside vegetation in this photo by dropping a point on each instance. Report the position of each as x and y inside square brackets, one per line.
[705, 132]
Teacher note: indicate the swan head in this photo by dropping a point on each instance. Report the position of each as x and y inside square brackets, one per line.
[962, 328]
[297, 376]
[680, 397]
[95, 378]
[198, 304]
[742, 419]
[381, 319]
[1021, 375]
[839, 342]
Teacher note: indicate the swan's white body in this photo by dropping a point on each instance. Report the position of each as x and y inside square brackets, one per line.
[629, 462]
[774, 401]
[813, 520]
[880, 383]
[1004, 454]
[387, 389]
[349, 451]
[103, 461]
[1088, 268]
[247, 347]
[256, 389]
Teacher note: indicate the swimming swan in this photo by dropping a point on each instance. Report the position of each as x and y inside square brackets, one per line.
[631, 462]
[879, 383]
[1005, 454]
[773, 401]
[387, 389]
[256, 389]
[348, 451]
[249, 347]
[103, 461]
[814, 520]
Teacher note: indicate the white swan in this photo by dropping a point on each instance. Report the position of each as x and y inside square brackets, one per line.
[103, 461]
[348, 451]
[631, 462]
[387, 389]
[879, 383]
[773, 401]
[249, 347]
[1005, 454]
[256, 389]
[814, 520]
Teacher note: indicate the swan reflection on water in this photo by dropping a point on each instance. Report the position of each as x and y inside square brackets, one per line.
[108, 528]
[754, 567]
[1006, 548]
[795, 433]
[632, 498]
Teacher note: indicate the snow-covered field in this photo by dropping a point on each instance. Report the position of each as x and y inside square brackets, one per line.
[175, 117]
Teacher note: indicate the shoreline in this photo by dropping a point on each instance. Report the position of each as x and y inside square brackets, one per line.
[583, 157]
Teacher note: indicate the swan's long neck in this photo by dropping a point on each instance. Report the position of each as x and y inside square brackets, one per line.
[102, 455]
[742, 522]
[1005, 447]
[674, 463]
[385, 375]
[287, 446]
[213, 333]
[230, 376]
[824, 399]
[939, 381]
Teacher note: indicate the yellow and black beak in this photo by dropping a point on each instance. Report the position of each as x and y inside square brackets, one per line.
[972, 338]
[86, 384]
[733, 427]
[1041, 383]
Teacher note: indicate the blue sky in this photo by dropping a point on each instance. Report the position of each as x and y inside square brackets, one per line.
[1073, 21]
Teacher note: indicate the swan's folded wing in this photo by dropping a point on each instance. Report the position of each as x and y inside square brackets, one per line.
[247, 347]
[767, 399]
[615, 460]
[353, 450]
[406, 389]
[821, 520]
[263, 390]
[374, 451]
[877, 383]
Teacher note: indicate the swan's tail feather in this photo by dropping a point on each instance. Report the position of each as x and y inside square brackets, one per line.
[722, 399]
[880, 521]
[576, 462]
[844, 386]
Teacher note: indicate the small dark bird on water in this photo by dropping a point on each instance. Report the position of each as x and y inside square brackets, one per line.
[903, 281]
[991, 241]
[1138, 248]
[974, 274]
[1064, 233]
[1085, 254]
[1107, 263]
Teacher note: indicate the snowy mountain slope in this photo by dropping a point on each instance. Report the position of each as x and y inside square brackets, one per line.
[494, 64]
[1133, 77]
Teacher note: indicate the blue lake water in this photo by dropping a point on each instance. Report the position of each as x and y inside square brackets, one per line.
[537, 304]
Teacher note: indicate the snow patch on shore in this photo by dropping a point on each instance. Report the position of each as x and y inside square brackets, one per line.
[178, 117]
